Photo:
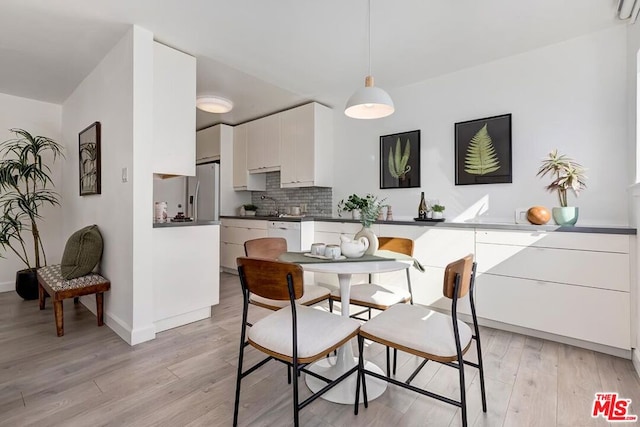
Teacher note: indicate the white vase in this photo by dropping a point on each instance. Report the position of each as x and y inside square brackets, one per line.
[355, 214]
[437, 215]
[374, 244]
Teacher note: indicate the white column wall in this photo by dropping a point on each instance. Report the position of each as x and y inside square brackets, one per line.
[117, 93]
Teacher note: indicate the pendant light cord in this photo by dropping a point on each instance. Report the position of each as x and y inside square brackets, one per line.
[369, 13]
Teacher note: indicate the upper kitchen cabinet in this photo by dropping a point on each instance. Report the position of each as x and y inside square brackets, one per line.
[306, 147]
[174, 112]
[208, 144]
[242, 180]
[263, 144]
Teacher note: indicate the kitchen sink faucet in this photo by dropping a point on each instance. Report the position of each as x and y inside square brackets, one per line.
[275, 204]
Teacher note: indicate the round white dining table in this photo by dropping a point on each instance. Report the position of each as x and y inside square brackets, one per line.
[333, 367]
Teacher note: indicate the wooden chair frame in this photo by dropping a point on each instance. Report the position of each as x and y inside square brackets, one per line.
[292, 285]
[458, 363]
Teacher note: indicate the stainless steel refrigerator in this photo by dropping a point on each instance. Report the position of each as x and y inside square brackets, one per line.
[203, 193]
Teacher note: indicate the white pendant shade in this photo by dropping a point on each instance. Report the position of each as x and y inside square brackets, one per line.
[369, 102]
[214, 104]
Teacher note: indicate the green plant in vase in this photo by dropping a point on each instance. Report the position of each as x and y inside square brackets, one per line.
[568, 175]
[24, 178]
[369, 207]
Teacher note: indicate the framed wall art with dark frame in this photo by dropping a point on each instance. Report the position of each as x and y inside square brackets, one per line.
[483, 151]
[400, 160]
[89, 159]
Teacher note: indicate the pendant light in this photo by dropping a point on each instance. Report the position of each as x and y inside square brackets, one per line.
[369, 102]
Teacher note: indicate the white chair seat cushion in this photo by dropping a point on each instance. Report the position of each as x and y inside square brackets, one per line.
[418, 328]
[318, 331]
[375, 295]
[311, 293]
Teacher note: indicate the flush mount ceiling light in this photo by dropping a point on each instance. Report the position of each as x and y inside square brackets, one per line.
[369, 102]
[213, 104]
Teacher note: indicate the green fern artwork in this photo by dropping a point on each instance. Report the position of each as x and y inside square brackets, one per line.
[398, 167]
[481, 157]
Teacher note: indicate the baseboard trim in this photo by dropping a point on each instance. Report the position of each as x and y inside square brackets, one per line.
[635, 358]
[7, 286]
[183, 319]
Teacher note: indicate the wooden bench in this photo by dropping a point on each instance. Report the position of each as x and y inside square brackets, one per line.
[51, 283]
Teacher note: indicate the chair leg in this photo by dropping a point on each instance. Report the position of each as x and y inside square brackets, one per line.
[288, 374]
[481, 370]
[395, 360]
[388, 365]
[100, 308]
[59, 315]
[240, 359]
[41, 296]
[361, 368]
[330, 305]
[463, 393]
[358, 377]
[296, 407]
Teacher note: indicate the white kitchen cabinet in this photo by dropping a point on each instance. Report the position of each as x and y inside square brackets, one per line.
[570, 284]
[185, 275]
[263, 144]
[174, 113]
[233, 234]
[208, 144]
[242, 180]
[306, 147]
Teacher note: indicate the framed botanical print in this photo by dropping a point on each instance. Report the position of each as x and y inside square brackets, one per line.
[483, 151]
[400, 160]
[89, 160]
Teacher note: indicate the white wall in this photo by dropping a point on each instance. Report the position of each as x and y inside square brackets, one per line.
[570, 96]
[117, 93]
[38, 118]
[633, 74]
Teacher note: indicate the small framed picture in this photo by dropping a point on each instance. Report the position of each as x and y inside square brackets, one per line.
[400, 160]
[89, 159]
[483, 151]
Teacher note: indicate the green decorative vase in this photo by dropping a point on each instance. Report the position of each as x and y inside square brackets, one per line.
[565, 216]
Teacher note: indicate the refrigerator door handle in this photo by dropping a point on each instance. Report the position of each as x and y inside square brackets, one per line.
[195, 201]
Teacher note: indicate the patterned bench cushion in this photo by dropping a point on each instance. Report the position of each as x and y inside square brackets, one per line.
[52, 275]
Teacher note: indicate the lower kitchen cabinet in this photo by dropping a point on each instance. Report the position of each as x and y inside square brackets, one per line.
[233, 234]
[596, 315]
[575, 285]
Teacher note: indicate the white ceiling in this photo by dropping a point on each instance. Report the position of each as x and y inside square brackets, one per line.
[271, 55]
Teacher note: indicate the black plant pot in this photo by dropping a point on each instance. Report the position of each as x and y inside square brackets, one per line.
[27, 284]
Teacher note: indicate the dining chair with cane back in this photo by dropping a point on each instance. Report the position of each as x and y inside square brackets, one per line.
[295, 335]
[430, 335]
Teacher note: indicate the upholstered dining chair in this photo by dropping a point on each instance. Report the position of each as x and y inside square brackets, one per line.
[430, 335]
[374, 296]
[271, 248]
[295, 335]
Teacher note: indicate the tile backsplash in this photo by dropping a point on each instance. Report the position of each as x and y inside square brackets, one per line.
[316, 199]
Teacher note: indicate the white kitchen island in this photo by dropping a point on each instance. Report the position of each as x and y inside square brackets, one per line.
[186, 272]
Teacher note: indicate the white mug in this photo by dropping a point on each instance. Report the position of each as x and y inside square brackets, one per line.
[295, 210]
[318, 248]
[332, 251]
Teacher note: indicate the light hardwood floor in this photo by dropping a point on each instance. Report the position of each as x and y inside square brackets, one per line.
[186, 377]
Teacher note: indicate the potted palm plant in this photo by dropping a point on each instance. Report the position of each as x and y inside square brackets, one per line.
[24, 181]
[567, 176]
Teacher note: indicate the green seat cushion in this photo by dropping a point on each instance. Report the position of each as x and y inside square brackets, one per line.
[82, 252]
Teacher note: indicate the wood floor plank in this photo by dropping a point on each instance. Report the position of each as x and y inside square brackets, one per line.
[186, 376]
